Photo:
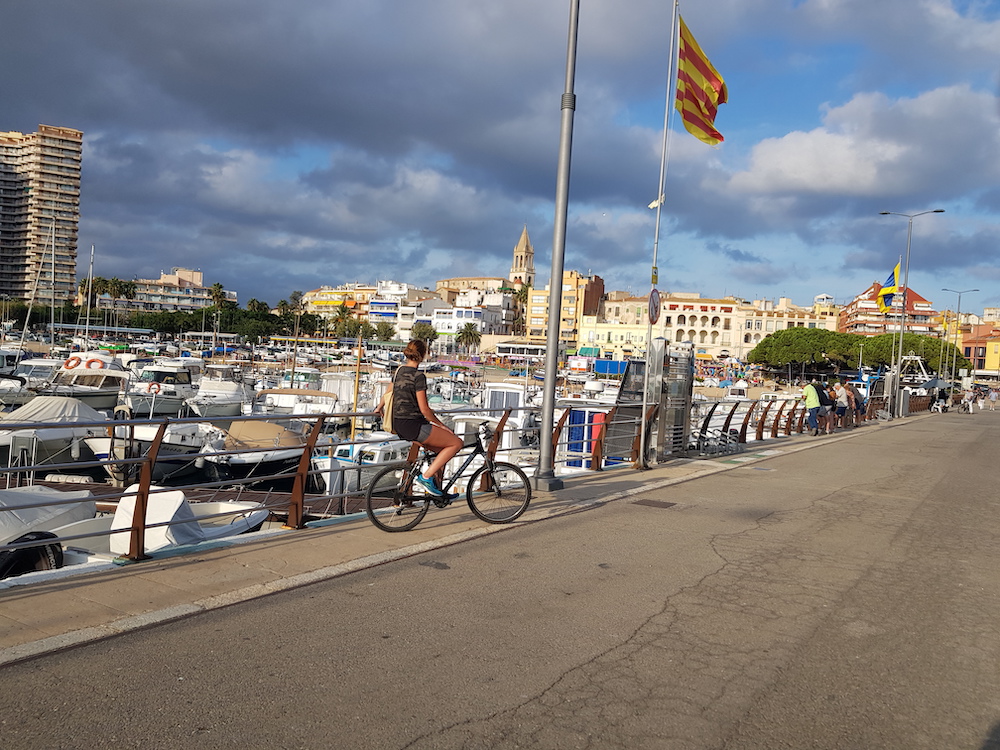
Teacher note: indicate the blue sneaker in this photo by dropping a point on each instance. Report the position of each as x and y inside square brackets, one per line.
[429, 485]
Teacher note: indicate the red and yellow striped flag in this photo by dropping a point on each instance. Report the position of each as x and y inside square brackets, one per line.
[700, 90]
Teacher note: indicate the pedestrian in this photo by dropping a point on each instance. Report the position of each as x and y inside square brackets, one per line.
[982, 399]
[993, 399]
[825, 408]
[843, 398]
[859, 403]
[810, 393]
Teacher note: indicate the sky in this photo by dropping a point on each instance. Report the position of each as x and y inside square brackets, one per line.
[281, 146]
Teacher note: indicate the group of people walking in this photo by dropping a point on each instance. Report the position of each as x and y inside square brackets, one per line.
[832, 406]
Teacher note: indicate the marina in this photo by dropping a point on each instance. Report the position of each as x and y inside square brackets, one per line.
[300, 443]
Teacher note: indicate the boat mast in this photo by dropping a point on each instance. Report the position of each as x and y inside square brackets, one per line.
[90, 286]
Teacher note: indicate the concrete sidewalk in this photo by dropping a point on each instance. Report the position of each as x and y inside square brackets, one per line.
[46, 616]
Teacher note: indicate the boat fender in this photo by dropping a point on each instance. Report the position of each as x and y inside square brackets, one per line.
[72, 362]
[16, 562]
[74, 450]
[153, 388]
[94, 364]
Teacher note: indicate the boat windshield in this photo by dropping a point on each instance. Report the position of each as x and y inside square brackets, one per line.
[181, 377]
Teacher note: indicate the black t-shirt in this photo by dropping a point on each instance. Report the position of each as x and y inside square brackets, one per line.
[405, 384]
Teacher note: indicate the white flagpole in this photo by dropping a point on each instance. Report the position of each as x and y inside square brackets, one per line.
[658, 205]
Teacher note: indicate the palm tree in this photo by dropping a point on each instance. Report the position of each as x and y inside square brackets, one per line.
[218, 294]
[521, 310]
[468, 336]
[254, 305]
[341, 314]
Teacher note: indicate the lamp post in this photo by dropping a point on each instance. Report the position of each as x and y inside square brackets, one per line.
[898, 390]
[958, 323]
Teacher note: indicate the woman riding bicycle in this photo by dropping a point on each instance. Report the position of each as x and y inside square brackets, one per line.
[414, 420]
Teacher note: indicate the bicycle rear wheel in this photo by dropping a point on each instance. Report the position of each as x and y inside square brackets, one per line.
[500, 494]
[389, 503]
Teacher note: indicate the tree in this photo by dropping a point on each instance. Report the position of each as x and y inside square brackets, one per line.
[424, 332]
[254, 305]
[521, 310]
[218, 294]
[384, 331]
[341, 314]
[468, 336]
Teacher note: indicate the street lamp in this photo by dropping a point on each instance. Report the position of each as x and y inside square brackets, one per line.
[898, 390]
[958, 324]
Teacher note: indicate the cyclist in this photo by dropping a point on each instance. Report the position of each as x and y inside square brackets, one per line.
[414, 420]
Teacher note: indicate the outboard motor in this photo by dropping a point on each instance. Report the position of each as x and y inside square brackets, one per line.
[16, 562]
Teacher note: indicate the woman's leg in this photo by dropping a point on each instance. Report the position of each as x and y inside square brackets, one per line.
[446, 444]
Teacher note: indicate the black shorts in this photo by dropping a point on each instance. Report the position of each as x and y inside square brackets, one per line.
[415, 430]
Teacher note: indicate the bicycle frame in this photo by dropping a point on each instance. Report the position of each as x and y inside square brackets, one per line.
[477, 450]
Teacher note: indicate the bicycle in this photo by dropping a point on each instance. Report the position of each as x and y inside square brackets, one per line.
[497, 492]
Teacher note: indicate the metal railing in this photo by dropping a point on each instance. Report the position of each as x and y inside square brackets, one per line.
[585, 439]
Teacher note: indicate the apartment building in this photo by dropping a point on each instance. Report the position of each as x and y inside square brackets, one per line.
[863, 316]
[39, 213]
[581, 296]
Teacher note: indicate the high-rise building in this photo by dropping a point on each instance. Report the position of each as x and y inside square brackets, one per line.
[39, 213]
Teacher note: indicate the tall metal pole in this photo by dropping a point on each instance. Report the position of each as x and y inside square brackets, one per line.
[898, 390]
[545, 478]
[958, 324]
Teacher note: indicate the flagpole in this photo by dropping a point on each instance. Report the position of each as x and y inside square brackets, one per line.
[660, 197]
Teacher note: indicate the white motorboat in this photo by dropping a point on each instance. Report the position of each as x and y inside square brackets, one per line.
[176, 457]
[29, 514]
[347, 468]
[222, 392]
[63, 425]
[261, 449]
[26, 379]
[95, 378]
[185, 523]
[161, 388]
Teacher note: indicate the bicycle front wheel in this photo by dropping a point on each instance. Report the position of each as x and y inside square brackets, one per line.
[500, 494]
[389, 502]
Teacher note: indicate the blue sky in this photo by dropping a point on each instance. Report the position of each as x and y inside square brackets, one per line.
[281, 146]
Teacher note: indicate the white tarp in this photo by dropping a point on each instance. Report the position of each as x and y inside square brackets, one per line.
[162, 507]
[50, 409]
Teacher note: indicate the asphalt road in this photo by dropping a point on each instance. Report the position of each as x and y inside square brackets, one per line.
[841, 597]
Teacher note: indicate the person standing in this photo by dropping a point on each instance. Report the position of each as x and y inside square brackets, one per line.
[810, 392]
[843, 399]
[993, 399]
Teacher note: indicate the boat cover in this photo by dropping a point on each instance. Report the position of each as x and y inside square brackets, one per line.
[248, 434]
[16, 519]
[52, 409]
[162, 507]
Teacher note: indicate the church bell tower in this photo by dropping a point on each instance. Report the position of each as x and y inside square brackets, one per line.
[522, 271]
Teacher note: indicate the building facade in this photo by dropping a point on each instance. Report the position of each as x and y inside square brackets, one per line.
[39, 213]
[863, 317]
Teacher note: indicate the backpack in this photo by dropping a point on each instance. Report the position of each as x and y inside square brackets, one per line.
[824, 397]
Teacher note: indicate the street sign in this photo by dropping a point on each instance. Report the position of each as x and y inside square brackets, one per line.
[654, 306]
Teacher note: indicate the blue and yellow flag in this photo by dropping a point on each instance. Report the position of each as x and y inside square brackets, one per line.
[889, 290]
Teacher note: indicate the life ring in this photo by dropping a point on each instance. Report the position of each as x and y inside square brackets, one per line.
[72, 362]
[153, 388]
[94, 364]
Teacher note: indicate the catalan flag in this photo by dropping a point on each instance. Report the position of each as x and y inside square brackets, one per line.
[700, 89]
[889, 290]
